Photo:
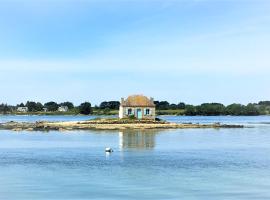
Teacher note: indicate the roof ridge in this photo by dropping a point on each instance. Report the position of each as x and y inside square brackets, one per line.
[138, 100]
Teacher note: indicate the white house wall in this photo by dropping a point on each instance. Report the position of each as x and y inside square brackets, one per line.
[123, 112]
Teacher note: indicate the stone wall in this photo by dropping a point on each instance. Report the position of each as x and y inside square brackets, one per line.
[123, 112]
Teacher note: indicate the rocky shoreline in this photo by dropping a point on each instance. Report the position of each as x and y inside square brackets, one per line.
[105, 124]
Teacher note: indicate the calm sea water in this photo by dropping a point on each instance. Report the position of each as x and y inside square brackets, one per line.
[169, 164]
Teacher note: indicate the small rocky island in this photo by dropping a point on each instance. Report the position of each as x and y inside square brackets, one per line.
[106, 124]
[135, 112]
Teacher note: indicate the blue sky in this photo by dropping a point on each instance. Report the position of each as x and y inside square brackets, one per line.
[191, 51]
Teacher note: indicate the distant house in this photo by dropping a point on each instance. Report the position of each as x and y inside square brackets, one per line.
[138, 106]
[22, 109]
[63, 109]
[45, 109]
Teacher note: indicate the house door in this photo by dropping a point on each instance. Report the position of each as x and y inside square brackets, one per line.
[139, 113]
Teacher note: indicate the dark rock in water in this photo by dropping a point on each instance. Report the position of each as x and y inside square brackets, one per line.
[228, 126]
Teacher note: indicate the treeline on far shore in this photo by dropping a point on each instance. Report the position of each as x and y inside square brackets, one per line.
[162, 108]
[213, 109]
[31, 107]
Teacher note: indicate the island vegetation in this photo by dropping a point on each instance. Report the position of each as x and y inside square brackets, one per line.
[162, 108]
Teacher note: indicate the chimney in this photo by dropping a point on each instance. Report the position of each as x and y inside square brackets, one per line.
[122, 100]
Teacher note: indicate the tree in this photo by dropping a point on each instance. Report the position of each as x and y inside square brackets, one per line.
[39, 106]
[173, 106]
[4, 108]
[114, 105]
[181, 105]
[68, 104]
[85, 108]
[251, 109]
[264, 103]
[211, 109]
[190, 110]
[162, 105]
[51, 106]
[235, 109]
[33, 106]
[20, 105]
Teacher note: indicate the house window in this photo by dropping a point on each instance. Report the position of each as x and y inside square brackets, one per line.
[147, 111]
[129, 111]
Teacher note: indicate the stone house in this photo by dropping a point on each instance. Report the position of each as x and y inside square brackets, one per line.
[138, 106]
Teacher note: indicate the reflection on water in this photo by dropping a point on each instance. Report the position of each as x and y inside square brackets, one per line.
[169, 164]
[138, 139]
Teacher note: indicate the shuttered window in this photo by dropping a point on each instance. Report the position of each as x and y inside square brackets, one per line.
[129, 111]
[147, 111]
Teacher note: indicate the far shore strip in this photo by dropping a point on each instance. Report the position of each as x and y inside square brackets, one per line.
[106, 125]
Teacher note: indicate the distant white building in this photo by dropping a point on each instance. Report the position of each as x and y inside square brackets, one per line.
[45, 109]
[22, 109]
[63, 109]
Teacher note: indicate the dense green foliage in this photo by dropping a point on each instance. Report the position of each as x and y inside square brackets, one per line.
[211, 109]
[235, 109]
[4, 108]
[110, 105]
[190, 110]
[85, 108]
[51, 106]
[162, 108]
[264, 103]
[33, 106]
[162, 105]
[165, 105]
